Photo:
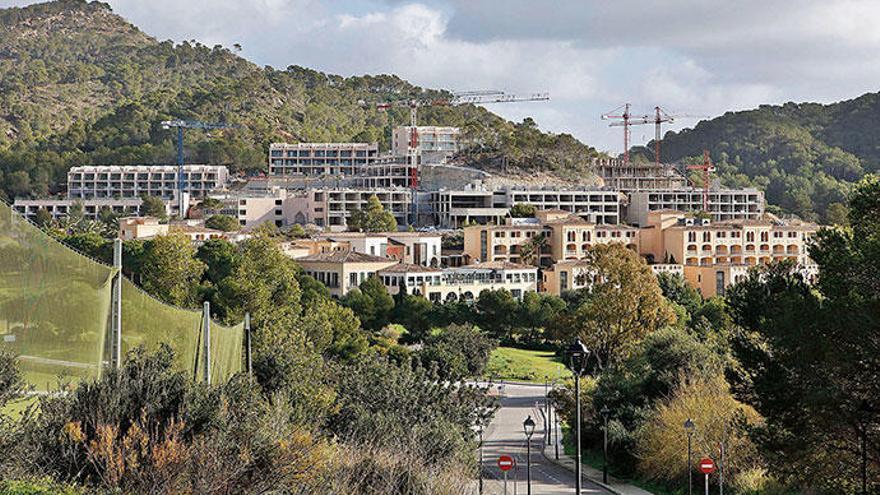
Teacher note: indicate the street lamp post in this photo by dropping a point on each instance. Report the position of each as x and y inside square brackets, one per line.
[547, 424]
[577, 356]
[556, 443]
[605, 413]
[529, 429]
[481, 456]
[689, 427]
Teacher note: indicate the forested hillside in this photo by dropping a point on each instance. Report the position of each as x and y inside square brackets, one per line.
[80, 85]
[805, 156]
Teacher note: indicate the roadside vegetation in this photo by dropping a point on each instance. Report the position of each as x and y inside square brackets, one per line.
[779, 371]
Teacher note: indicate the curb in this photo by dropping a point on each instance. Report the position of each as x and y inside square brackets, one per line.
[559, 463]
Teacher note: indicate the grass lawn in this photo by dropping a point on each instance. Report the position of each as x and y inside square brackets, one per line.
[15, 407]
[509, 363]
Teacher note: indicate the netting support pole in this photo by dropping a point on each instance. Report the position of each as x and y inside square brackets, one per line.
[116, 306]
[247, 345]
[206, 338]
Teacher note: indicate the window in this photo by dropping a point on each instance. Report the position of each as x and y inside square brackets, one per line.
[692, 237]
[352, 279]
[278, 212]
[719, 283]
[563, 281]
[278, 202]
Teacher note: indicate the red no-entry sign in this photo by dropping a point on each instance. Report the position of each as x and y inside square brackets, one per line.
[707, 466]
[506, 463]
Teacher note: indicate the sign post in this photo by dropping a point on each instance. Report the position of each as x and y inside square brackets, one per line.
[505, 464]
[707, 467]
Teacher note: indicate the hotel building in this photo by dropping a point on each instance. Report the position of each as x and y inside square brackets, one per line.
[434, 144]
[317, 159]
[133, 181]
[724, 204]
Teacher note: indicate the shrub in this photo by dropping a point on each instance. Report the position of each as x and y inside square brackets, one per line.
[147, 428]
[719, 418]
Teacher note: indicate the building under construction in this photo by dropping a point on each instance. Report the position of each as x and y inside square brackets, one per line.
[638, 176]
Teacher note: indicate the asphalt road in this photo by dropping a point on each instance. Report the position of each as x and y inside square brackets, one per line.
[505, 436]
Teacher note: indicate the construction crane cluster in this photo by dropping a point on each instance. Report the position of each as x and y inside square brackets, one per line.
[623, 118]
[477, 97]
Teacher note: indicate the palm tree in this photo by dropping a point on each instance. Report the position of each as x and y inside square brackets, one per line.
[531, 251]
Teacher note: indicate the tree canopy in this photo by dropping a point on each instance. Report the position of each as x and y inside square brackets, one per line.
[373, 218]
[811, 355]
[621, 305]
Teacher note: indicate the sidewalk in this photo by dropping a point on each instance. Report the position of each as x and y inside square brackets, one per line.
[591, 473]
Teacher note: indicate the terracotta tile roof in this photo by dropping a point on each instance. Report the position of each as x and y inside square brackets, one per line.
[192, 229]
[345, 257]
[571, 219]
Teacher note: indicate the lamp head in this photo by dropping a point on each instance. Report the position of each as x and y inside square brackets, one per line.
[689, 426]
[529, 427]
[577, 356]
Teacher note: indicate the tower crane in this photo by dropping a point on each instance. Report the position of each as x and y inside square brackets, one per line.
[181, 125]
[707, 167]
[477, 97]
[622, 117]
[480, 97]
[660, 117]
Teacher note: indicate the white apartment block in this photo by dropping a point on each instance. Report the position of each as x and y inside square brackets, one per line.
[333, 207]
[454, 208]
[91, 207]
[463, 283]
[724, 204]
[133, 181]
[328, 207]
[321, 159]
[434, 144]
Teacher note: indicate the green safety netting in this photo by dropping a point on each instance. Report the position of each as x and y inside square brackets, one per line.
[55, 313]
[54, 304]
[148, 322]
[226, 352]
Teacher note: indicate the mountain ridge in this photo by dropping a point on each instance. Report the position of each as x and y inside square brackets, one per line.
[81, 85]
[805, 156]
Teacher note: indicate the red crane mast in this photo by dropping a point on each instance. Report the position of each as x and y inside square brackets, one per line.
[706, 167]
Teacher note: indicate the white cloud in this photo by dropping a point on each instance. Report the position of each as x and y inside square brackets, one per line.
[691, 56]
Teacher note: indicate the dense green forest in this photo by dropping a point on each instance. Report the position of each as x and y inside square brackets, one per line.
[805, 156]
[81, 85]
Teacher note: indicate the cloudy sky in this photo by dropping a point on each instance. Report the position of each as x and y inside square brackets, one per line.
[698, 57]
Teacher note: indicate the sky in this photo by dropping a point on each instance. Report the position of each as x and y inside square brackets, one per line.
[691, 57]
